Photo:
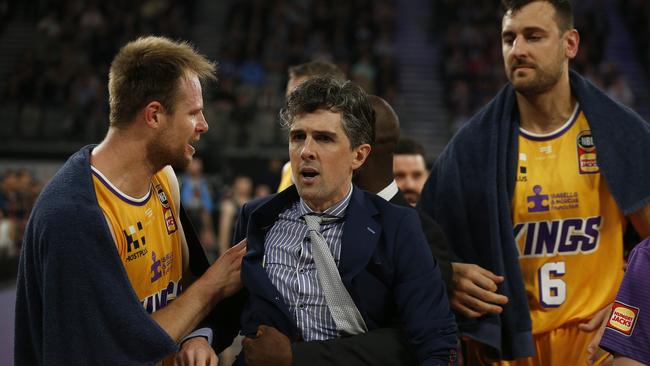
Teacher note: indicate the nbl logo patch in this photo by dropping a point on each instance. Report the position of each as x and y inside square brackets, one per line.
[587, 163]
[623, 318]
[170, 220]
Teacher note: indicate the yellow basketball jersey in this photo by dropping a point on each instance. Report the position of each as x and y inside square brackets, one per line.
[148, 240]
[568, 229]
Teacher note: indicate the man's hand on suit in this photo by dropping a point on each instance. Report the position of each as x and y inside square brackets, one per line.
[270, 347]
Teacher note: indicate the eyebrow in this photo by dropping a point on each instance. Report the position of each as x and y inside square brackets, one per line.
[526, 30]
[315, 132]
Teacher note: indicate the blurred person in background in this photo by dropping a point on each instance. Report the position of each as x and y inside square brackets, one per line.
[239, 193]
[197, 200]
[410, 169]
[534, 194]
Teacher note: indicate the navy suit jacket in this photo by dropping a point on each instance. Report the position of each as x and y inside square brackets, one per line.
[385, 264]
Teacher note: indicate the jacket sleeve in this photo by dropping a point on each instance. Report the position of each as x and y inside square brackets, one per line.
[420, 296]
[384, 346]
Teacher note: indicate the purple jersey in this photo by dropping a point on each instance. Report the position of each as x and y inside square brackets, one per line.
[628, 329]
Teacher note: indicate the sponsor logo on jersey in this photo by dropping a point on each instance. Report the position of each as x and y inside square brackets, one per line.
[565, 236]
[168, 214]
[160, 266]
[587, 163]
[135, 242]
[538, 202]
[159, 300]
[544, 202]
[623, 318]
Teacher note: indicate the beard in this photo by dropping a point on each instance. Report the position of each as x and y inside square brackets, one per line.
[160, 154]
[542, 81]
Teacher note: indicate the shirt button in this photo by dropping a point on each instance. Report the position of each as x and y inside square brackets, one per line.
[301, 270]
[301, 306]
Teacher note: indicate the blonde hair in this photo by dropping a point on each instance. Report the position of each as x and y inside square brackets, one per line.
[150, 69]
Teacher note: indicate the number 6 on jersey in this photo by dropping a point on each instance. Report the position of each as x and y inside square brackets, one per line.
[552, 290]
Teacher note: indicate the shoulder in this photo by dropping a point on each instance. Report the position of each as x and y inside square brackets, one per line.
[389, 212]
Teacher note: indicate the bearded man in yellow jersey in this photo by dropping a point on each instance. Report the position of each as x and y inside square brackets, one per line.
[534, 195]
[104, 255]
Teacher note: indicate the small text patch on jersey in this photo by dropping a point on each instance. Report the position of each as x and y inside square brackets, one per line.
[564, 236]
[623, 318]
[587, 163]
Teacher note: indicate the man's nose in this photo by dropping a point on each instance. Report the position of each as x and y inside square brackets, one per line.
[308, 151]
[519, 48]
[201, 124]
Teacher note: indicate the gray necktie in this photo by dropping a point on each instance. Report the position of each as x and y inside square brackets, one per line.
[345, 313]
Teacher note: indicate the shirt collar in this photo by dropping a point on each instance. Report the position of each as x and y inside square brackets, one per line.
[389, 192]
[337, 210]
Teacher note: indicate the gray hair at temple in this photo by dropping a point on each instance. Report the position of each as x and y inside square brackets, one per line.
[346, 98]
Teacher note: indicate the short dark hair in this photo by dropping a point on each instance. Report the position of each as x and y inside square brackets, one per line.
[317, 68]
[407, 146]
[347, 98]
[149, 69]
[563, 11]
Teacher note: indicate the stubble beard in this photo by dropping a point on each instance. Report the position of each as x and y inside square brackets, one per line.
[160, 155]
[542, 81]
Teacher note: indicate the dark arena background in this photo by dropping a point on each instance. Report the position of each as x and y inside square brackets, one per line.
[436, 61]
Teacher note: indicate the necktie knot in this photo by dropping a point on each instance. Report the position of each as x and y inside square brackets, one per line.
[314, 221]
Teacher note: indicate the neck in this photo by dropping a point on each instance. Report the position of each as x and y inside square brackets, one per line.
[121, 157]
[546, 112]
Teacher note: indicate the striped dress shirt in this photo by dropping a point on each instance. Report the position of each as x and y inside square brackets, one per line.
[290, 266]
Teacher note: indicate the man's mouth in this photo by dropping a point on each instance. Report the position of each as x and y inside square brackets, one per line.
[522, 66]
[309, 174]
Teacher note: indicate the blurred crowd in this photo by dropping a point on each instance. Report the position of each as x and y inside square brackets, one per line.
[261, 39]
[471, 66]
[635, 15]
[57, 89]
[18, 192]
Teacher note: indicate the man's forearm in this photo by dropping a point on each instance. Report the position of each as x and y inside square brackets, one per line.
[182, 315]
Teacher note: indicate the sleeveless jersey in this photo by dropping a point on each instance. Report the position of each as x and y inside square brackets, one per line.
[567, 226]
[148, 241]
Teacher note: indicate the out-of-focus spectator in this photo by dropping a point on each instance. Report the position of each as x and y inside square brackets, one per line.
[198, 202]
[7, 237]
[18, 192]
[240, 193]
[410, 169]
[262, 190]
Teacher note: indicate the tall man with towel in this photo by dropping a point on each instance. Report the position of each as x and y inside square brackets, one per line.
[534, 195]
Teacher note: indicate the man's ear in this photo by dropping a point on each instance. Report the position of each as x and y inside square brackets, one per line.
[360, 154]
[153, 113]
[572, 43]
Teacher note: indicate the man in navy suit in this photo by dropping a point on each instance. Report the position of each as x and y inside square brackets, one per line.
[380, 250]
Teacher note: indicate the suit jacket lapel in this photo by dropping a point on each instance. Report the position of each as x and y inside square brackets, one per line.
[254, 276]
[360, 236]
